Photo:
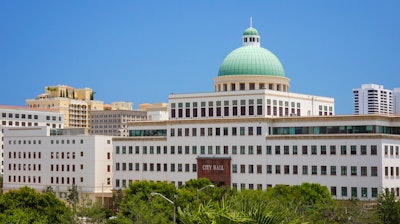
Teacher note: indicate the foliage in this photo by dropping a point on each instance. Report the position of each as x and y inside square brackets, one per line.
[140, 207]
[25, 205]
[93, 212]
[388, 208]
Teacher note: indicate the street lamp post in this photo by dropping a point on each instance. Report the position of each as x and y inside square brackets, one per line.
[167, 199]
[198, 190]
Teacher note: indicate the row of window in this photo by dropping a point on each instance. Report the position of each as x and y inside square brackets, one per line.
[23, 116]
[323, 150]
[24, 167]
[250, 149]
[347, 129]
[24, 155]
[305, 170]
[156, 167]
[218, 131]
[24, 179]
[64, 180]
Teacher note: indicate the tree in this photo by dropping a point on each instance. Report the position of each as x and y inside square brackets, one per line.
[388, 208]
[73, 197]
[25, 205]
[140, 207]
[93, 212]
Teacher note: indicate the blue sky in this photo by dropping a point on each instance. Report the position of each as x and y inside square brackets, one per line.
[141, 51]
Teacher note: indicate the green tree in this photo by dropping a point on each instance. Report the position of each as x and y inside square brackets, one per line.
[93, 212]
[140, 207]
[388, 208]
[25, 205]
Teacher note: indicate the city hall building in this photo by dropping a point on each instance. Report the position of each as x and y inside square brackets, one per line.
[252, 133]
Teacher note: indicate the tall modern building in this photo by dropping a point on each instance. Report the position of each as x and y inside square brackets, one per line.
[16, 116]
[75, 104]
[373, 99]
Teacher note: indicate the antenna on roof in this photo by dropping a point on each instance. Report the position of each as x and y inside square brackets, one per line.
[251, 22]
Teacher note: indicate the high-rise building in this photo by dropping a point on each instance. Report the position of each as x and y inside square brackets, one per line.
[75, 104]
[16, 116]
[373, 99]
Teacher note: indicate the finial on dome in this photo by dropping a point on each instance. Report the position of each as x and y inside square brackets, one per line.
[251, 22]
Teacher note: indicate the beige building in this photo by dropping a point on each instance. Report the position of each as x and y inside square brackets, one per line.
[75, 104]
[114, 122]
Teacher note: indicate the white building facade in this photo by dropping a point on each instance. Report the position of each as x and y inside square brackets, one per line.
[15, 116]
[37, 158]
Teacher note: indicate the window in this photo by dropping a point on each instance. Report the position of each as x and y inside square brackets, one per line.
[343, 170]
[277, 169]
[304, 149]
[305, 170]
[343, 150]
[353, 170]
[333, 149]
[277, 150]
[323, 149]
[344, 191]
[269, 169]
[242, 169]
[314, 150]
[286, 169]
[333, 191]
[354, 192]
[374, 171]
[314, 170]
[295, 169]
[333, 170]
[374, 192]
[234, 168]
[323, 170]
[374, 150]
[286, 150]
[294, 150]
[269, 150]
[353, 150]
[364, 171]
[364, 192]
[363, 150]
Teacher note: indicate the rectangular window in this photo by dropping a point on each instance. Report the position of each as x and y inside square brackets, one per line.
[269, 169]
[343, 170]
[353, 170]
[374, 171]
[286, 169]
[277, 150]
[323, 170]
[374, 150]
[242, 169]
[333, 170]
[234, 168]
[333, 191]
[295, 169]
[305, 170]
[269, 150]
[323, 149]
[314, 170]
[304, 150]
[333, 149]
[313, 150]
[353, 150]
[278, 169]
[344, 191]
[363, 149]
[364, 171]
[354, 192]
[294, 150]
[343, 150]
[286, 150]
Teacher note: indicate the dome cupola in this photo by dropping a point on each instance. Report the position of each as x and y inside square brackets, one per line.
[251, 61]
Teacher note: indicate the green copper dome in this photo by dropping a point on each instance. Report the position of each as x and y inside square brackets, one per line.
[251, 60]
[250, 31]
